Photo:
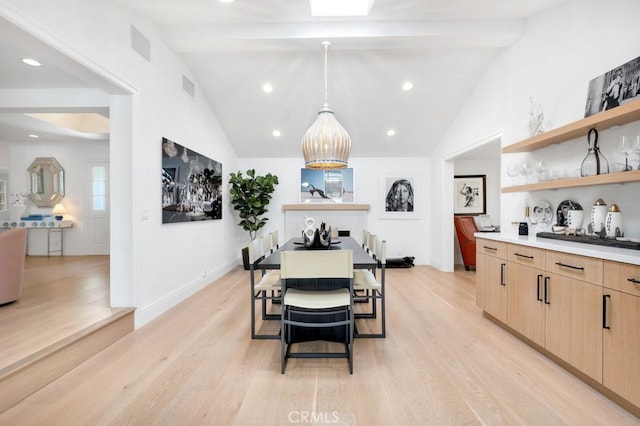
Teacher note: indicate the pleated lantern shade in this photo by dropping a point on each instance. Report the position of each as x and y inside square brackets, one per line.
[326, 145]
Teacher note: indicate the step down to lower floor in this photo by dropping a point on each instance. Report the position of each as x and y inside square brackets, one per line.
[28, 375]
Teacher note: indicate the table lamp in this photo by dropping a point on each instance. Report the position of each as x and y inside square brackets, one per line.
[58, 211]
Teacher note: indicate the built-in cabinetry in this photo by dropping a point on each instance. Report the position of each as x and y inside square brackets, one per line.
[525, 305]
[621, 330]
[583, 310]
[491, 258]
[3, 195]
[573, 299]
[623, 114]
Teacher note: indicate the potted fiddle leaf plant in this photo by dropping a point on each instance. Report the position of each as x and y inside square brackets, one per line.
[250, 196]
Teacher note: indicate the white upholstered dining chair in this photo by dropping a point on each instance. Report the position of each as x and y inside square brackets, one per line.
[370, 287]
[316, 308]
[264, 289]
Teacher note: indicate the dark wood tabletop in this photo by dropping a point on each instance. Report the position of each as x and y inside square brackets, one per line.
[361, 259]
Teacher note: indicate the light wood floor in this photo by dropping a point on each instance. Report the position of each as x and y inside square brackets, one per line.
[442, 363]
[61, 297]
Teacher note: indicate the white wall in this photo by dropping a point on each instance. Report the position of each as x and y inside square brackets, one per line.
[96, 34]
[404, 237]
[554, 61]
[74, 158]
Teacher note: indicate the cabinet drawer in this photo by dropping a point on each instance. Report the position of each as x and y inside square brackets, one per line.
[581, 268]
[524, 255]
[623, 277]
[491, 248]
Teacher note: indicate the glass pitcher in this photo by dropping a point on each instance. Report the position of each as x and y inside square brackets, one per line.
[595, 162]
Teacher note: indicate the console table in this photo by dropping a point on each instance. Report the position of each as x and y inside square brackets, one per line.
[50, 225]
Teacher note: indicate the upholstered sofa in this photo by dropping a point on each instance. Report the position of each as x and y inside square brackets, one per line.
[13, 245]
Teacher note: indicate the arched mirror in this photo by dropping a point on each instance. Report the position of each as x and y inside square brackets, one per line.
[46, 182]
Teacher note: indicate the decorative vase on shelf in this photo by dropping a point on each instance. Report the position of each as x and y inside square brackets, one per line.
[595, 162]
[598, 216]
[613, 223]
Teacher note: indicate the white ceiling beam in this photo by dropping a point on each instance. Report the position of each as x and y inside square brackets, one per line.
[60, 99]
[228, 37]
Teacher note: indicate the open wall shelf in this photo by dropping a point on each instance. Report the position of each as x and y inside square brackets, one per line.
[603, 120]
[623, 114]
[611, 178]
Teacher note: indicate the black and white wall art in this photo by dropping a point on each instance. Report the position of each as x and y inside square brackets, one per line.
[191, 185]
[613, 88]
[469, 195]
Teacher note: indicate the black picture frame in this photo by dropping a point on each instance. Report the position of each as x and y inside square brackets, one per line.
[470, 195]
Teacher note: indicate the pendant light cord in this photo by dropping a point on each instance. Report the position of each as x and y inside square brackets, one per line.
[326, 49]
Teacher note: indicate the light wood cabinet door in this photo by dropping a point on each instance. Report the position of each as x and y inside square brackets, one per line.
[526, 301]
[574, 323]
[491, 289]
[621, 369]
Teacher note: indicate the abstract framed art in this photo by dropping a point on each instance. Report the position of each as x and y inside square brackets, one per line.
[469, 194]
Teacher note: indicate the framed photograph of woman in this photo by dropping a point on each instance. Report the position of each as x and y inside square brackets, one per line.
[469, 193]
[398, 196]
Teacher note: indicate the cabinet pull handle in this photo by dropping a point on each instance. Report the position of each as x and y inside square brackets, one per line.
[538, 297]
[633, 280]
[523, 255]
[490, 248]
[580, 268]
[546, 291]
[502, 265]
[604, 311]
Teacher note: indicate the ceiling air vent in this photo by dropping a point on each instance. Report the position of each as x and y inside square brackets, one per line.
[140, 44]
[187, 86]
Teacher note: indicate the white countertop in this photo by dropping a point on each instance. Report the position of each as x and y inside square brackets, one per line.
[581, 249]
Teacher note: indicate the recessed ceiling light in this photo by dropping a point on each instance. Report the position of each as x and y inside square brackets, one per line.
[391, 132]
[225, 1]
[34, 136]
[32, 62]
[407, 85]
[276, 133]
[267, 88]
[340, 7]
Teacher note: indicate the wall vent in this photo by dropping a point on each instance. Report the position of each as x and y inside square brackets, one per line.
[188, 86]
[140, 44]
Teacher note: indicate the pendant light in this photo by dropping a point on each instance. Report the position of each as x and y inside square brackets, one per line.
[326, 145]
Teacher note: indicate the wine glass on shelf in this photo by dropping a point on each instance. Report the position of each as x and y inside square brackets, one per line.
[626, 147]
[513, 171]
[527, 170]
[636, 147]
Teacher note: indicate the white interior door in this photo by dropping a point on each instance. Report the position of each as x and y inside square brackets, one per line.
[98, 208]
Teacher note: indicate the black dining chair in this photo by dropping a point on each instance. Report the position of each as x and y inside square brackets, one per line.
[318, 307]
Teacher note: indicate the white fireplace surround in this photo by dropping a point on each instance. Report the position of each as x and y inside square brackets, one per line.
[352, 217]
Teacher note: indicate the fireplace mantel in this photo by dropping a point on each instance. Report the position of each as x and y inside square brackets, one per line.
[321, 206]
[344, 216]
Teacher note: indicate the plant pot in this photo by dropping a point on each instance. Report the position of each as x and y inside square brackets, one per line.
[245, 258]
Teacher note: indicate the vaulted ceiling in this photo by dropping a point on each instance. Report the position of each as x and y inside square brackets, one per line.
[233, 49]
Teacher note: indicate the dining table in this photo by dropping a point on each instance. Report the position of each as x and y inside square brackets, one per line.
[361, 260]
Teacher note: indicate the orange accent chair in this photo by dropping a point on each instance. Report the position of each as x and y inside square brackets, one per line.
[13, 245]
[465, 229]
